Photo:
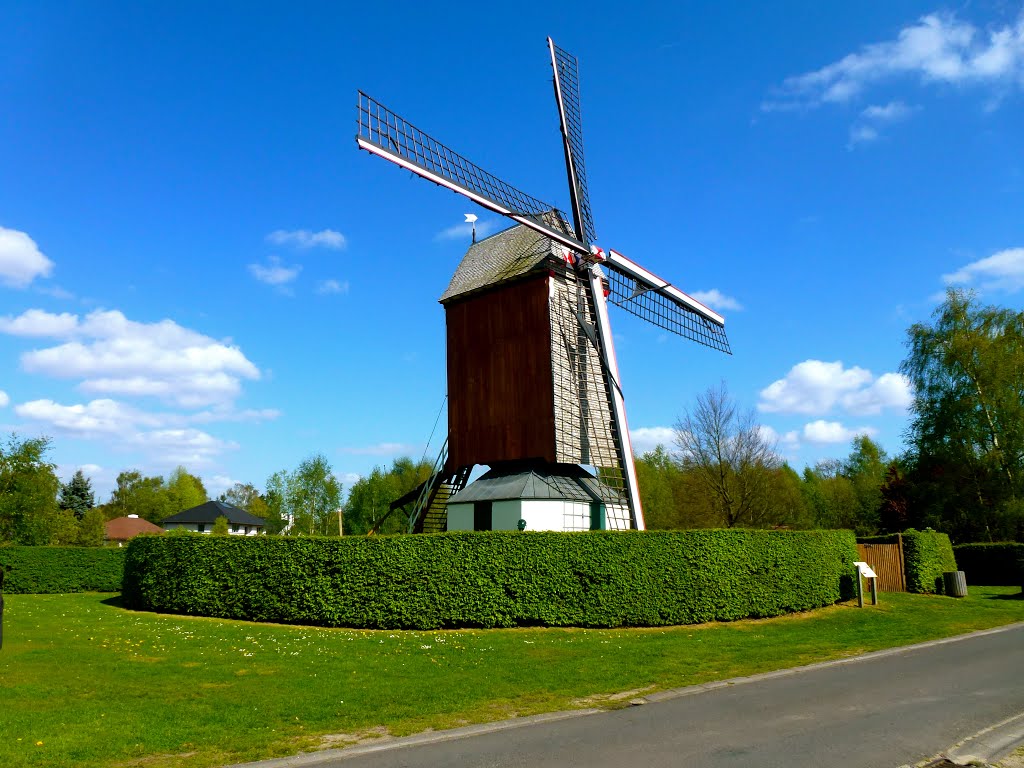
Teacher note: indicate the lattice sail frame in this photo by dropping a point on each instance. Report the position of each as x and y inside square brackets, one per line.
[585, 429]
[384, 133]
[658, 309]
[567, 94]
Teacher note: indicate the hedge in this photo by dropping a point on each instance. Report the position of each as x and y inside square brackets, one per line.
[493, 579]
[1000, 564]
[57, 570]
[926, 556]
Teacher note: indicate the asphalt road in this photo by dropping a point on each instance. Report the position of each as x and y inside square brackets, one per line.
[881, 711]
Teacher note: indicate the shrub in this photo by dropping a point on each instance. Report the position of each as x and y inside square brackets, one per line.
[1000, 564]
[926, 556]
[492, 579]
[44, 570]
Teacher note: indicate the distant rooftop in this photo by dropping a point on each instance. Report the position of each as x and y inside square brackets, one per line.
[123, 528]
[209, 511]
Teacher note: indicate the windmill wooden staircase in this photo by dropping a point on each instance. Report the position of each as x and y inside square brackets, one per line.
[426, 506]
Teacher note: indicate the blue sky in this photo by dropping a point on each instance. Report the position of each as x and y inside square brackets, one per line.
[197, 266]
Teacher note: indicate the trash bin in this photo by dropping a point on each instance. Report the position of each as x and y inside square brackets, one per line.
[955, 583]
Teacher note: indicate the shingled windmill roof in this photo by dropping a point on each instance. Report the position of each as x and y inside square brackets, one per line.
[503, 257]
[569, 482]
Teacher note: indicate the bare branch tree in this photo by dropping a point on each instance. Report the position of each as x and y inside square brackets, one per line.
[732, 456]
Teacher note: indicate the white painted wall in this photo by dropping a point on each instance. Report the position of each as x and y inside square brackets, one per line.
[539, 514]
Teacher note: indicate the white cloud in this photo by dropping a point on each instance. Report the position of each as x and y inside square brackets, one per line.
[304, 238]
[37, 322]
[4, 399]
[274, 272]
[890, 113]
[717, 300]
[464, 231]
[812, 387]
[788, 441]
[218, 484]
[1002, 271]
[815, 387]
[191, 447]
[646, 439]
[97, 418]
[127, 427]
[822, 431]
[890, 390]
[867, 130]
[252, 415]
[327, 287]
[21, 261]
[939, 48]
[862, 134]
[115, 355]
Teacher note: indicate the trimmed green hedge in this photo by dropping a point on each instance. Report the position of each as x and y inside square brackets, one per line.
[926, 556]
[1000, 564]
[493, 579]
[57, 570]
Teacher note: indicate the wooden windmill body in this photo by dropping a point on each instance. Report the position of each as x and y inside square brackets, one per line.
[533, 385]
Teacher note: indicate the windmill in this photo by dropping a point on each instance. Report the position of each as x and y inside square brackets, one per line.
[533, 383]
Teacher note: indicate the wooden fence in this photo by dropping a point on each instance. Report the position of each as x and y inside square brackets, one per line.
[887, 561]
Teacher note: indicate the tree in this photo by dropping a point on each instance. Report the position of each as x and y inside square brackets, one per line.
[894, 513]
[967, 428]
[731, 456]
[278, 517]
[184, 491]
[136, 494]
[91, 529]
[76, 494]
[866, 468]
[246, 496]
[220, 527]
[370, 497]
[28, 493]
[153, 498]
[314, 496]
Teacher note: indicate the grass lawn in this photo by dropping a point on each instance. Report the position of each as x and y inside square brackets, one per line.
[84, 682]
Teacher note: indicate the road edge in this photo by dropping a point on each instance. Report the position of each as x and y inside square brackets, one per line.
[309, 759]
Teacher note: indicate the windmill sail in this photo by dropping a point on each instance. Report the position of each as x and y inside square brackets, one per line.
[384, 133]
[660, 303]
[567, 95]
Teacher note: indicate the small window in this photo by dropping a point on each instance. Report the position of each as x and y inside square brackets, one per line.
[201, 527]
[234, 528]
[482, 516]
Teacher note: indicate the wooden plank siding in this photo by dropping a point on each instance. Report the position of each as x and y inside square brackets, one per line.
[500, 389]
[887, 561]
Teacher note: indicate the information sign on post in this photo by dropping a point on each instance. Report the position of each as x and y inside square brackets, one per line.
[865, 571]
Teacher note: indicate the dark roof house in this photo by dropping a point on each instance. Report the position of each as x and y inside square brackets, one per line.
[208, 512]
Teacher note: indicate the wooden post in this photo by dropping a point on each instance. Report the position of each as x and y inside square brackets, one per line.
[903, 563]
[874, 591]
[860, 590]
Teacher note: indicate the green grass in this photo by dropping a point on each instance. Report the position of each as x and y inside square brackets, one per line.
[87, 683]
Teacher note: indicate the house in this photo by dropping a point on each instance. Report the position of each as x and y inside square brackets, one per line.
[547, 497]
[202, 518]
[120, 529]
